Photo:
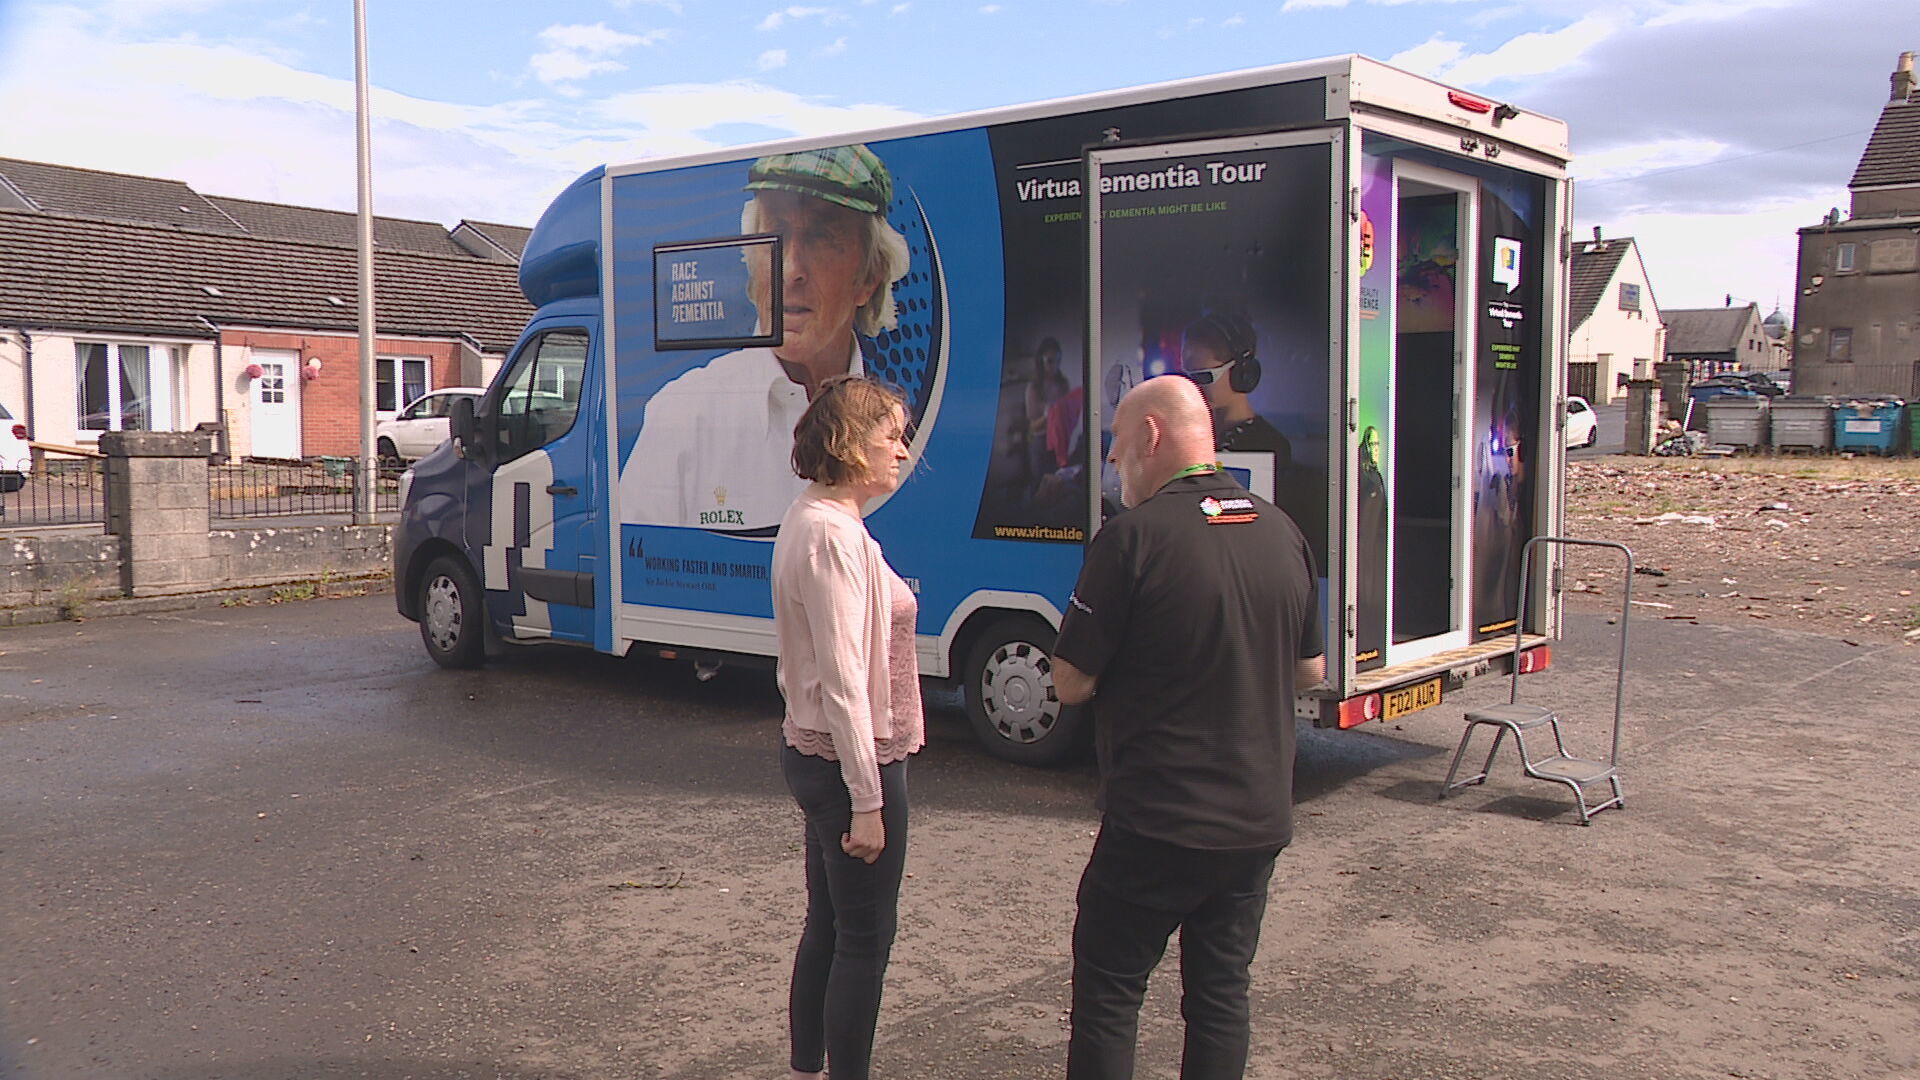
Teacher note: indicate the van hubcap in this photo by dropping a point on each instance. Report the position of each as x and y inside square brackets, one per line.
[1016, 691]
[442, 615]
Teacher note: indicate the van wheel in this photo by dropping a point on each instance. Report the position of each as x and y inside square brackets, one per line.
[452, 614]
[1008, 682]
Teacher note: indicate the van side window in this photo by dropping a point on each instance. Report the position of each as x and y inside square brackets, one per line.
[542, 394]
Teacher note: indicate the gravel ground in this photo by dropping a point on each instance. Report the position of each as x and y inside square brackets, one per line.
[1828, 545]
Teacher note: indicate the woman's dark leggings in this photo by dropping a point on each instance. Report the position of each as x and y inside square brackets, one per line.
[852, 910]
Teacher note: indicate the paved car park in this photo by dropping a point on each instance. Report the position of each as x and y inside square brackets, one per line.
[278, 842]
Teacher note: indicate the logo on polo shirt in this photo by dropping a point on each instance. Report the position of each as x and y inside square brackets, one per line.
[1228, 511]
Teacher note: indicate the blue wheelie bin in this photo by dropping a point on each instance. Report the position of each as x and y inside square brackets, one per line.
[1868, 425]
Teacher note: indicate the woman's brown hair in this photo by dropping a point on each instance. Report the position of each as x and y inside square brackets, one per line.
[829, 440]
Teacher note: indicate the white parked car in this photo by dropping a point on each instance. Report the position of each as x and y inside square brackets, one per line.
[1583, 427]
[421, 426]
[15, 456]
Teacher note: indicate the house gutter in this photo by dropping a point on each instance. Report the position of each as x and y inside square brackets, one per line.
[26, 375]
[219, 380]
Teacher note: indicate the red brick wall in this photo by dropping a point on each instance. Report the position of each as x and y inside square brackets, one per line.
[330, 403]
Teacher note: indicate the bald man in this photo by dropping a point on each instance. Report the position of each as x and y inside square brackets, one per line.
[1194, 620]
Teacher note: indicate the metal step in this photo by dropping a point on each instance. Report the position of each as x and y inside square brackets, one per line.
[1570, 770]
[1523, 717]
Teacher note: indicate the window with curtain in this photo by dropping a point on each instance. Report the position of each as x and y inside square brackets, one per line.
[122, 386]
[414, 380]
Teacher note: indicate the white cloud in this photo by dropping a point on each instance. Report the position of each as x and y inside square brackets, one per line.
[670, 5]
[990, 9]
[1234, 20]
[1685, 11]
[1694, 260]
[839, 46]
[1430, 57]
[1529, 54]
[771, 59]
[577, 52]
[1305, 5]
[1633, 161]
[899, 9]
[674, 119]
[232, 123]
[776, 20]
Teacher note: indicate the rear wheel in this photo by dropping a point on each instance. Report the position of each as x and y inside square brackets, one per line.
[389, 454]
[452, 614]
[1008, 680]
[1593, 436]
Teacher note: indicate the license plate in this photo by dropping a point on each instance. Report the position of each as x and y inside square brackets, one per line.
[1410, 699]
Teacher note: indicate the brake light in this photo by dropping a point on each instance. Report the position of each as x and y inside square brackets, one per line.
[1355, 711]
[20, 431]
[1534, 660]
[1469, 102]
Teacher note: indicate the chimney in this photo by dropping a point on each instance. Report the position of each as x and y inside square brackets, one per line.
[1903, 82]
[1596, 234]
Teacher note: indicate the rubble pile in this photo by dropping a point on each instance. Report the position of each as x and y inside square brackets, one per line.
[1827, 545]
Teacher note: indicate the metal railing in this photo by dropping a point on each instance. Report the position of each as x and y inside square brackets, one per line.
[57, 491]
[252, 489]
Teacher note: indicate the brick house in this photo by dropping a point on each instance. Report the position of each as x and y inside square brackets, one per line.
[1857, 309]
[136, 303]
[1616, 327]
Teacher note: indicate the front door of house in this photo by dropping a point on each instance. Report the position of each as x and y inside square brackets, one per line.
[276, 404]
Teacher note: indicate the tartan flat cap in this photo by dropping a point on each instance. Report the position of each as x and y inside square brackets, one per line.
[850, 176]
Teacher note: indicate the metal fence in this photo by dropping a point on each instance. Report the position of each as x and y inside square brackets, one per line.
[288, 489]
[59, 491]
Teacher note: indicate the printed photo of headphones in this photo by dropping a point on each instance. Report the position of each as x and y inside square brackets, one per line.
[1236, 333]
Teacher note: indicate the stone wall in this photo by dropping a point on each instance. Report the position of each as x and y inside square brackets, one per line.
[270, 555]
[58, 568]
[158, 543]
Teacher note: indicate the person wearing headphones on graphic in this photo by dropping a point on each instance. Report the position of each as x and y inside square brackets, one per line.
[1217, 353]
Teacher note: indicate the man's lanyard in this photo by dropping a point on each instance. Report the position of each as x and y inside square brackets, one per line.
[1193, 470]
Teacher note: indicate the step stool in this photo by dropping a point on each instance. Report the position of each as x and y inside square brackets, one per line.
[1559, 766]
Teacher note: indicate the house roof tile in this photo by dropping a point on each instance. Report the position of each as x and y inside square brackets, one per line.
[1707, 330]
[80, 274]
[1594, 263]
[1892, 156]
[509, 238]
[337, 227]
[63, 189]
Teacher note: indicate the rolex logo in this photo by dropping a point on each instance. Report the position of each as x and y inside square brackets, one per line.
[720, 496]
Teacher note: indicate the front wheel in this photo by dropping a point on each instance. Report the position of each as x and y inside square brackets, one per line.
[1008, 680]
[1592, 437]
[388, 454]
[452, 614]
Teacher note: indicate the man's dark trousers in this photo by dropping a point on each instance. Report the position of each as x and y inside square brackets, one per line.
[1134, 893]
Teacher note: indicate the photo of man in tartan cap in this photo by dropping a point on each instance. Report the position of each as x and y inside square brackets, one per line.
[715, 444]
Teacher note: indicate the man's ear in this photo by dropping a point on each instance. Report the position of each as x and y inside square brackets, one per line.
[1152, 441]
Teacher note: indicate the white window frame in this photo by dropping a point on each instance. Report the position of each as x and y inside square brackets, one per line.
[1845, 258]
[166, 389]
[398, 365]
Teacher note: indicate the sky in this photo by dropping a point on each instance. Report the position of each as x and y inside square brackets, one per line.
[1709, 130]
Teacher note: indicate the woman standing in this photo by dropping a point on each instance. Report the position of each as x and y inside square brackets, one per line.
[845, 624]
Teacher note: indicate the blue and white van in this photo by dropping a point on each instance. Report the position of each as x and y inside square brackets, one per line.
[1364, 268]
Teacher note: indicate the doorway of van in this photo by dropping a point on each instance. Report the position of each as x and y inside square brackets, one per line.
[1214, 259]
[1427, 465]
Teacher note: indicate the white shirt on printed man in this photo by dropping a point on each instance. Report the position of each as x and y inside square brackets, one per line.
[715, 449]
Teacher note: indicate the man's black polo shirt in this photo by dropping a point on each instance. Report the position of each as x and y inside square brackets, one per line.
[1191, 610]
